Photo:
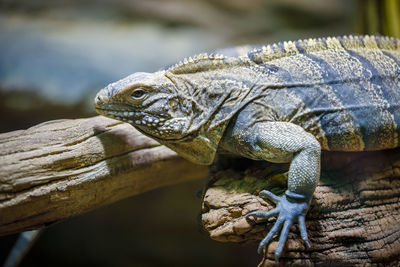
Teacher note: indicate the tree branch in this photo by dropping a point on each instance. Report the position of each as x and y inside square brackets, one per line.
[64, 168]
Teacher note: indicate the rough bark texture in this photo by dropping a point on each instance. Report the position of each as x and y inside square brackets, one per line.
[354, 219]
[67, 167]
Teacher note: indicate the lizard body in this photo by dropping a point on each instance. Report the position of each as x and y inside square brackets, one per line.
[280, 103]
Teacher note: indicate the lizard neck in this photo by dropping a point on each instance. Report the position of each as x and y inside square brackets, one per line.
[214, 98]
[201, 147]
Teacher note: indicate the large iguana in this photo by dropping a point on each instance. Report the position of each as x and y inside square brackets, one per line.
[280, 103]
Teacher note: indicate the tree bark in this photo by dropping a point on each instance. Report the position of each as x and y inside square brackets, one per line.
[64, 168]
[353, 220]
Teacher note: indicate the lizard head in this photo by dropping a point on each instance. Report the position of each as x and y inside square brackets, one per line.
[186, 106]
[148, 101]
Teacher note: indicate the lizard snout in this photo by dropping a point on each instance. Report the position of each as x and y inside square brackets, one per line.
[100, 100]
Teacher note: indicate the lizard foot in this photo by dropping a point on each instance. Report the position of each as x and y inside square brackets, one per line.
[289, 207]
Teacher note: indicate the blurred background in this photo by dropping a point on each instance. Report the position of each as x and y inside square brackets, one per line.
[55, 56]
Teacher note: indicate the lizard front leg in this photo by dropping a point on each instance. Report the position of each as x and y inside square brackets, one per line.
[285, 142]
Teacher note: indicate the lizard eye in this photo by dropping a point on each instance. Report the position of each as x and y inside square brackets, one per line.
[138, 94]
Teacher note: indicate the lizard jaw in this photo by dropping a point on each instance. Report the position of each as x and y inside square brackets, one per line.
[146, 123]
[135, 118]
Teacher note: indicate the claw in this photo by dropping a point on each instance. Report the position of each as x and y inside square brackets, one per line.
[263, 215]
[274, 198]
[282, 239]
[303, 230]
[274, 229]
[287, 211]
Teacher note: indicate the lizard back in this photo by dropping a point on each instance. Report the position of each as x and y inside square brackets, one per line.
[345, 90]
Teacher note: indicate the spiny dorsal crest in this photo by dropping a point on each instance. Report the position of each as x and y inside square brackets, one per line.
[285, 49]
[202, 62]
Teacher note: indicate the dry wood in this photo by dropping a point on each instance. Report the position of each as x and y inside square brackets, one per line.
[354, 218]
[67, 167]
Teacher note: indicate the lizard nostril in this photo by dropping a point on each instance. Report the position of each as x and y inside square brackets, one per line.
[98, 100]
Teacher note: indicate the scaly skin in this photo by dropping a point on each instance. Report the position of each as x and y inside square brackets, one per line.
[279, 103]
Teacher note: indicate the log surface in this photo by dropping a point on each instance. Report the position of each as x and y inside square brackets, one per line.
[64, 168]
[354, 219]
[67, 167]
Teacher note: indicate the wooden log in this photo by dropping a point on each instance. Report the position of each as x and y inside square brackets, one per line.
[64, 168]
[353, 220]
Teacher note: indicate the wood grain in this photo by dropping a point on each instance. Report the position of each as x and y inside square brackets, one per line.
[64, 168]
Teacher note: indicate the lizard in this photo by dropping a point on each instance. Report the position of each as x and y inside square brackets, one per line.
[281, 103]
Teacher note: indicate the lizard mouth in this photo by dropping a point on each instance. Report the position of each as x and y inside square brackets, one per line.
[123, 115]
[144, 123]
[140, 119]
[114, 112]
